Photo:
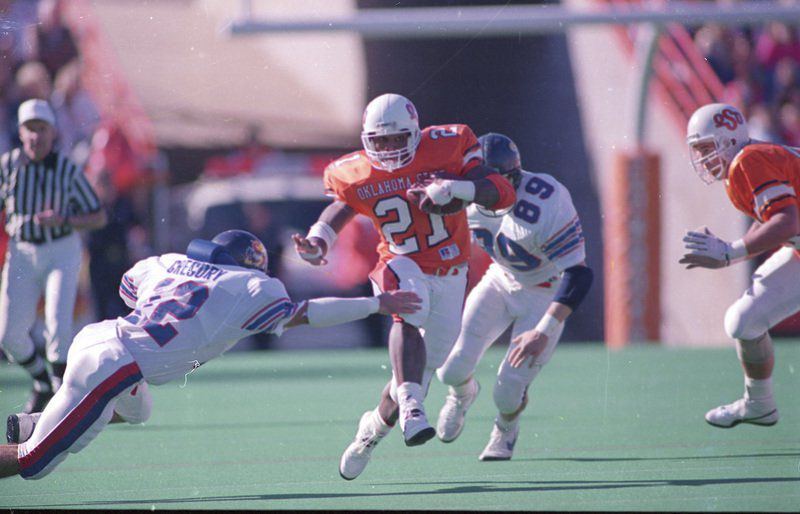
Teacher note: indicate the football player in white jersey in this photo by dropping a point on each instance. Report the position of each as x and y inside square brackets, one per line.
[187, 310]
[537, 278]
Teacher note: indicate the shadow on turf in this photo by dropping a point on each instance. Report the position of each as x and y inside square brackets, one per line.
[477, 488]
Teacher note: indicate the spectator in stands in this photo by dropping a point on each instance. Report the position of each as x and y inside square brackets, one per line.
[50, 40]
[76, 113]
[108, 248]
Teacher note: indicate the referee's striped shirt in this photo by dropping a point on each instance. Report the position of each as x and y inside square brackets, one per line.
[28, 187]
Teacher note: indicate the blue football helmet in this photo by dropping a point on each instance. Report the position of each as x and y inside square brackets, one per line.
[501, 154]
[232, 247]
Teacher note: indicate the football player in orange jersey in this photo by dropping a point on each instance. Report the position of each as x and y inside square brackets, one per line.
[419, 251]
[762, 181]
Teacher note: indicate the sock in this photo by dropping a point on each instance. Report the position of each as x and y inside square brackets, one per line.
[464, 389]
[35, 366]
[757, 389]
[408, 393]
[505, 425]
[379, 423]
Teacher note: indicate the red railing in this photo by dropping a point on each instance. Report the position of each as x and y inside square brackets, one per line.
[681, 76]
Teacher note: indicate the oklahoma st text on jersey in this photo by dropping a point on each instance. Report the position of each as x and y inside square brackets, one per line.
[431, 240]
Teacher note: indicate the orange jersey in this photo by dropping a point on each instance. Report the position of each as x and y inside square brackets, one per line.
[432, 241]
[763, 179]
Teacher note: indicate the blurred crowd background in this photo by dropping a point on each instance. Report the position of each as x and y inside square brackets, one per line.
[42, 56]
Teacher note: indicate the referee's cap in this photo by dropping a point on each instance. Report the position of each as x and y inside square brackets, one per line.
[36, 109]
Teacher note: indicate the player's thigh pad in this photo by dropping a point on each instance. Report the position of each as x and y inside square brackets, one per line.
[773, 296]
[135, 404]
[404, 274]
[99, 369]
[485, 318]
[441, 329]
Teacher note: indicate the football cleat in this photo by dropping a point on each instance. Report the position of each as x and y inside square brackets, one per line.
[356, 457]
[19, 427]
[501, 443]
[416, 429]
[451, 417]
[37, 401]
[763, 413]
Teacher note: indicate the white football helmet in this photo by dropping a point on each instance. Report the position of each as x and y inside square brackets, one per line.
[387, 115]
[715, 134]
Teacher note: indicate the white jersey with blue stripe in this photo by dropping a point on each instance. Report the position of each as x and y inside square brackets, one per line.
[187, 312]
[538, 238]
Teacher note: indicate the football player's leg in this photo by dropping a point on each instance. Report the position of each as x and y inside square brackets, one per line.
[61, 290]
[19, 294]
[97, 374]
[511, 388]
[773, 296]
[407, 350]
[485, 318]
[135, 404]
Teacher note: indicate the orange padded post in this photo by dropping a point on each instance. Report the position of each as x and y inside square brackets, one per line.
[632, 229]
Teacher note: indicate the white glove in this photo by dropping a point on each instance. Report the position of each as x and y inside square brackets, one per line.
[706, 250]
[440, 191]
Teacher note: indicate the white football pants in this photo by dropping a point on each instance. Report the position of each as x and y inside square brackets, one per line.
[489, 310]
[29, 270]
[773, 296]
[439, 318]
[102, 377]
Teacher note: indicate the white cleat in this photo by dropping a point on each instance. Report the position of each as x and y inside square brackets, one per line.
[763, 413]
[416, 429]
[451, 417]
[356, 457]
[501, 444]
[19, 427]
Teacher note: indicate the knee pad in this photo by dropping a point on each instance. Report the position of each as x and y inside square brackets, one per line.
[135, 406]
[508, 395]
[454, 372]
[755, 351]
[744, 321]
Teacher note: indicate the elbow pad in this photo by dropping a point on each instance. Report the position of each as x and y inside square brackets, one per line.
[506, 192]
[575, 284]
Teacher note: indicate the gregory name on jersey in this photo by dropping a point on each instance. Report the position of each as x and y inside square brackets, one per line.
[196, 269]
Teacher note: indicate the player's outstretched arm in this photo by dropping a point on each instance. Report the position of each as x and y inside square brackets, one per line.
[324, 312]
[314, 246]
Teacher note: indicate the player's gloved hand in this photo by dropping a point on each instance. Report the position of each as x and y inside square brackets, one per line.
[310, 250]
[705, 250]
[399, 302]
[440, 191]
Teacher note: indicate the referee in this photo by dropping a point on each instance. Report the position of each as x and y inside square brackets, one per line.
[45, 198]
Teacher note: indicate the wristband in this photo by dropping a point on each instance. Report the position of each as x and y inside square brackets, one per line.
[323, 231]
[463, 189]
[548, 325]
[737, 253]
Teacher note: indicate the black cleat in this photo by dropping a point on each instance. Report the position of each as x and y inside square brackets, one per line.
[12, 429]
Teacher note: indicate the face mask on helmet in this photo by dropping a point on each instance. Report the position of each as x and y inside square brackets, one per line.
[715, 134]
[390, 131]
[502, 155]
